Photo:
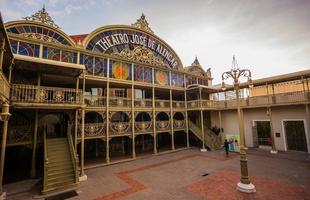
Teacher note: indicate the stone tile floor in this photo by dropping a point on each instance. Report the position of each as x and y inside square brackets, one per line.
[178, 175]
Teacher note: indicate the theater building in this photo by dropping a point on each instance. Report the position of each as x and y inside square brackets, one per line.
[70, 102]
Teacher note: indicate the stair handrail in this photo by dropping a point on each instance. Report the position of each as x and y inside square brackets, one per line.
[45, 159]
[73, 154]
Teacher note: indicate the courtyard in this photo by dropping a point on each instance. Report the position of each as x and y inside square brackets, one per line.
[190, 174]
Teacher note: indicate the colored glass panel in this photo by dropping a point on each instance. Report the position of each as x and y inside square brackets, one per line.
[69, 57]
[161, 77]
[89, 63]
[39, 30]
[14, 44]
[147, 75]
[100, 67]
[120, 70]
[51, 53]
[28, 49]
[139, 73]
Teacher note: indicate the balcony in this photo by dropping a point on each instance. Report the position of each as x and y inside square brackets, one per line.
[4, 86]
[93, 130]
[40, 95]
[258, 101]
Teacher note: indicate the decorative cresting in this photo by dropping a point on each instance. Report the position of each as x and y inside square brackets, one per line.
[43, 17]
[141, 23]
[39, 26]
[141, 54]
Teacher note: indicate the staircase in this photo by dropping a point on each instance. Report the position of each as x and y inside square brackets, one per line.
[60, 165]
[211, 140]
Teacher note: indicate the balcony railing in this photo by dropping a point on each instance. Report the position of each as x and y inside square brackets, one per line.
[120, 128]
[162, 104]
[144, 126]
[95, 101]
[42, 94]
[4, 86]
[178, 104]
[143, 103]
[163, 125]
[120, 102]
[266, 100]
[178, 124]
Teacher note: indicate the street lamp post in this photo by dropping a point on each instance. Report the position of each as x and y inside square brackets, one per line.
[235, 73]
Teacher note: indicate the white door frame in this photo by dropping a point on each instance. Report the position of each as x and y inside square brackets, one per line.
[284, 133]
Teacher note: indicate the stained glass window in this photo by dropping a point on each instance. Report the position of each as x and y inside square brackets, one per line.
[203, 82]
[48, 33]
[143, 74]
[161, 77]
[67, 56]
[14, 44]
[191, 80]
[177, 80]
[100, 68]
[88, 61]
[28, 49]
[120, 70]
[51, 53]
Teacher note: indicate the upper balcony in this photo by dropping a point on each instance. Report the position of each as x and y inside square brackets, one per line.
[4, 86]
[43, 97]
[289, 98]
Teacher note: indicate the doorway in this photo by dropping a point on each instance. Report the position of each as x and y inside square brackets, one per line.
[295, 135]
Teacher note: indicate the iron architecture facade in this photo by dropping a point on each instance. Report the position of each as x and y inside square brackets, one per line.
[115, 93]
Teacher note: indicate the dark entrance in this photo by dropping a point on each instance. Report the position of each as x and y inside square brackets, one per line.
[295, 135]
[263, 132]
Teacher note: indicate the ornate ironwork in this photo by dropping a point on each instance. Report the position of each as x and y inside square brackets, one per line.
[141, 54]
[178, 124]
[43, 17]
[162, 125]
[120, 127]
[141, 23]
[143, 126]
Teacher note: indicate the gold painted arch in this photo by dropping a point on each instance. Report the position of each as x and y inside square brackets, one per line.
[19, 23]
[103, 29]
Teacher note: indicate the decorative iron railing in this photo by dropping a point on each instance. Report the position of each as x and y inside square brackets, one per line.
[120, 128]
[95, 101]
[163, 125]
[142, 127]
[74, 155]
[4, 86]
[178, 104]
[179, 124]
[120, 102]
[43, 94]
[162, 104]
[143, 103]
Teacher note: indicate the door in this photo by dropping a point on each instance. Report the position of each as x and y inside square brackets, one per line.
[295, 135]
[263, 132]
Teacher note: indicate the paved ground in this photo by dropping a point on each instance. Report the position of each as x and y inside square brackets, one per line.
[178, 175]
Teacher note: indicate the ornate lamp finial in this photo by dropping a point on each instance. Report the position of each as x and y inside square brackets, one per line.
[142, 24]
[43, 17]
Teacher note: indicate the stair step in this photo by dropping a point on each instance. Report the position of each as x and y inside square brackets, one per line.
[60, 173]
[60, 183]
[60, 188]
[62, 177]
[58, 169]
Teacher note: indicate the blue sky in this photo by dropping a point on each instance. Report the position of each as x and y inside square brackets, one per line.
[270, 37]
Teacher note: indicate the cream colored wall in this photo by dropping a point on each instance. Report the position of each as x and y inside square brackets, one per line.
[230, 122]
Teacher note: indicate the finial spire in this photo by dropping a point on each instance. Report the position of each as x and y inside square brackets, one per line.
[142, 24]
[43, 17]
[196, 62]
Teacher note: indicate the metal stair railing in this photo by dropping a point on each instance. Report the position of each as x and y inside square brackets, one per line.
[73, 154]
[45, 160]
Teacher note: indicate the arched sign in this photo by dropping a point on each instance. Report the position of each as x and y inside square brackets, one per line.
[134, 44]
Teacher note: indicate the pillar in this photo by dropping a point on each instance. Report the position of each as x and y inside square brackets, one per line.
[308, 127]
[154, 120]
[171, 122]
[82, 142]
[133, 113]
[2, 50]
[201, 122]
[5, 118]
[107, 125]
[273, 145]
[34, 145]
[186, 120]
[220, 125]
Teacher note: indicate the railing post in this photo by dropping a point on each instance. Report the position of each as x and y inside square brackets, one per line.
[133, 112]
[186, 119]
[154, 121]
[2, 50]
